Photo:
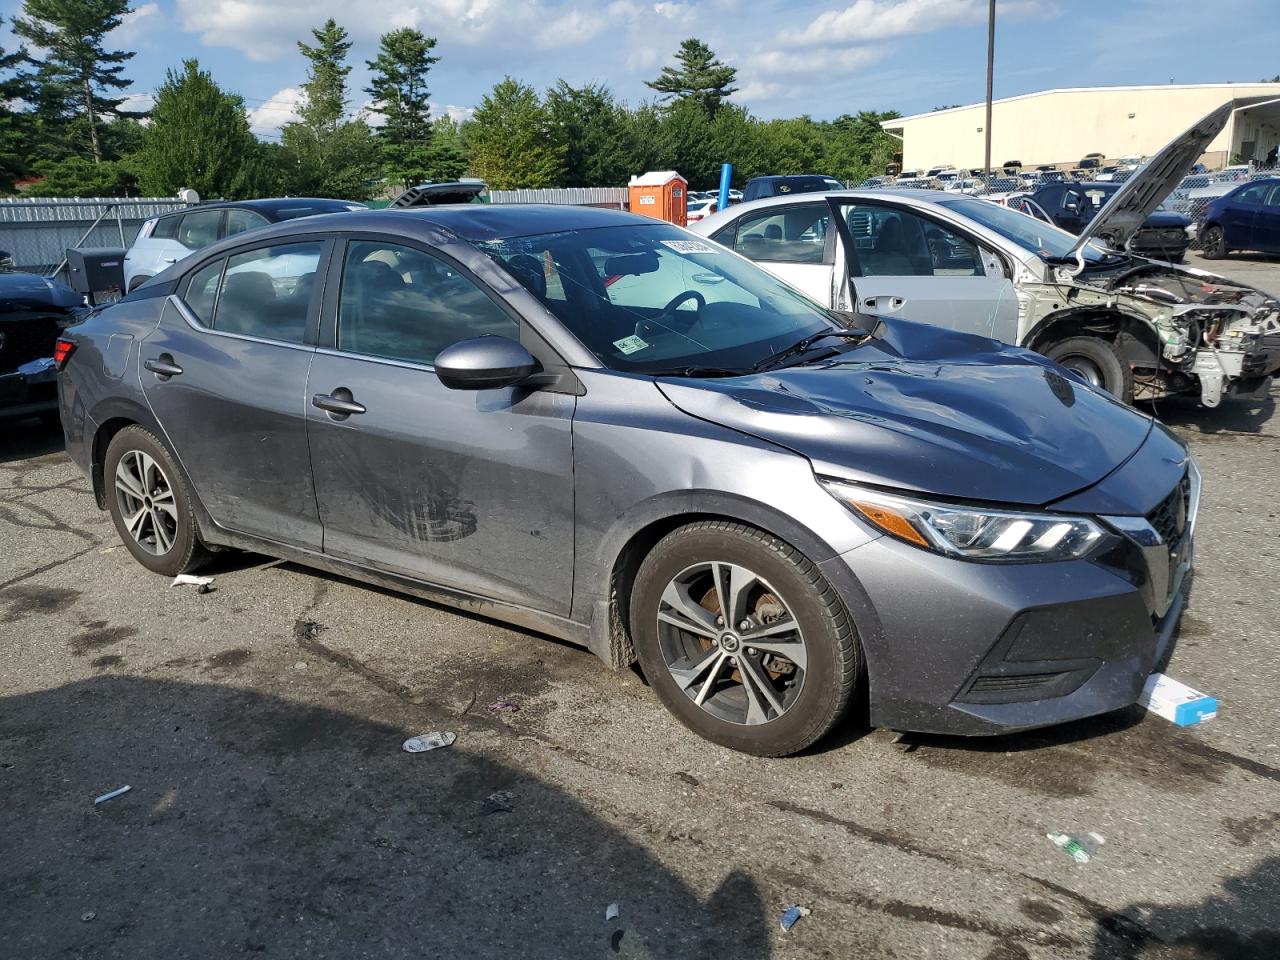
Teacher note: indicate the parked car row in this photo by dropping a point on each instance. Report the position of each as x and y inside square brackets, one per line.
[1073, 205]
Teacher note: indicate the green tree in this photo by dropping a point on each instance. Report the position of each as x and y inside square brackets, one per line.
[857, 146]
[790, 146]
[82, 177]
[399, 90]
[686, 144]
[72, 35]
[324, 153]
[15, 86]
[198, 137]
[511, 139]
[447, 153]
[595, 135]
[699, 77]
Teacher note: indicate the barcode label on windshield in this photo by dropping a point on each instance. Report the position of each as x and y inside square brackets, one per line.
[688, 246]
[629, 345]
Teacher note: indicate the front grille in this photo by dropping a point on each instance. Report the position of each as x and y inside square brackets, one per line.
[22, 341]
[1169, 518]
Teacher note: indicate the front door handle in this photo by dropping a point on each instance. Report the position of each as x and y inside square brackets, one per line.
[883, 304]
[339, 404]
[168, 259]
[163, 366]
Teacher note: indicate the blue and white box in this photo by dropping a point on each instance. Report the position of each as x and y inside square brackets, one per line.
[1176, 701]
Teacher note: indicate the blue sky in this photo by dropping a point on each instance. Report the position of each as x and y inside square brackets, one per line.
[820, 57]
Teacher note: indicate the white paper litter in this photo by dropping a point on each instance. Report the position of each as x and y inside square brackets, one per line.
[428, 741]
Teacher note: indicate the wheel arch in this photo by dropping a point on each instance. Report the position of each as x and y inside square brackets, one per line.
[625, 548]
[1133, 336]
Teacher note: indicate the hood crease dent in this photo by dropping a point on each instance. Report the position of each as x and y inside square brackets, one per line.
[963, 417]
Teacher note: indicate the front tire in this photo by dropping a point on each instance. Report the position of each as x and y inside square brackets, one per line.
[150, 504]
[1213, 244]
[1098, 362]
[773, 676]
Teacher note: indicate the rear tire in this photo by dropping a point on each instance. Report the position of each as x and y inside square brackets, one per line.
[769, 702]
[1213, 243]
[150, 504]
[1098, 362]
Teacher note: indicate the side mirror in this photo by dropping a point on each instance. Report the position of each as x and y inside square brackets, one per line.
[484, 363]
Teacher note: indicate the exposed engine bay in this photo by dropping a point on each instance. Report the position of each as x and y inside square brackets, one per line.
[1211, 334]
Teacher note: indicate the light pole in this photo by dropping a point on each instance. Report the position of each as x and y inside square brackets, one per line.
[991, 63]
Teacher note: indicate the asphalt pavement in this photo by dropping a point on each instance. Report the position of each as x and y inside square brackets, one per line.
[272, 811]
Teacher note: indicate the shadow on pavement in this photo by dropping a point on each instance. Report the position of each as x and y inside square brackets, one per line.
[1234, 416]
[261, 825]
[1221, 927]
[29, 438]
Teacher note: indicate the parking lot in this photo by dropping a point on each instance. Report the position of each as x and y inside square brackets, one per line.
[273, 811]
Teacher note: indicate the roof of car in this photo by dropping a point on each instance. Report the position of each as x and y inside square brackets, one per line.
[268, 205]
[468, 221]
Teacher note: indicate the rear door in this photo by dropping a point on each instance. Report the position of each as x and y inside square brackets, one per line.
[225, 373]
[902, 262]
[793, 242]
[467, 489]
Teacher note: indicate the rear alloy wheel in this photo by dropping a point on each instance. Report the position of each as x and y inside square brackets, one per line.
[150, 505]
[1098, 362]
[743, 639]
[1213, 243]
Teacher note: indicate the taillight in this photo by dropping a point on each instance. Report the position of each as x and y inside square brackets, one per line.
[62, 351]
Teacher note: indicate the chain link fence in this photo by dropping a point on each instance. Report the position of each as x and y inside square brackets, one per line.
[36, 233]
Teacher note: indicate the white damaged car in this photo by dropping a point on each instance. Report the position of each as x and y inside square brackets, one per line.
[1139, 328]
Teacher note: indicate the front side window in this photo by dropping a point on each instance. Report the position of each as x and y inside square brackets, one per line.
[199, 229]
[791, 235]
[402, 304]
[1252, 195]
[267, 292]
[653, 298]
[238, 221]
[1273, 198]
[891, 242]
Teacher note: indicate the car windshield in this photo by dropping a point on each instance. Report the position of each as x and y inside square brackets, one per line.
[651, 298]
[1033, 235]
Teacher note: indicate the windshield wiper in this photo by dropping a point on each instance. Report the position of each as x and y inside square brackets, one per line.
[697, 372]
[800, 346]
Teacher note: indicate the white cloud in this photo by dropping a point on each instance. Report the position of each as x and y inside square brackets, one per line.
[137, 103]
[269, 116]
[820, 61]
[138, 22]
[454, 112]
[679, 12]
[867, 20]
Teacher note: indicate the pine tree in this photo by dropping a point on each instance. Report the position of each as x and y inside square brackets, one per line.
[511, 139]
[326, 86]
[15, 85]
[699, 77]
[199, 137]
[594, 131]
[72, 36]
[399, 90]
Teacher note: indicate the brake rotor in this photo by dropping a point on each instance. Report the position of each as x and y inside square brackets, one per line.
[764, 608]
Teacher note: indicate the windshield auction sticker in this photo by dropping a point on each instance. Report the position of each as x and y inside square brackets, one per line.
[629, 345]
[688, 246]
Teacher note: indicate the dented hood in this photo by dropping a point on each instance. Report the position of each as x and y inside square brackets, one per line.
[931, 411]
[1129, 207]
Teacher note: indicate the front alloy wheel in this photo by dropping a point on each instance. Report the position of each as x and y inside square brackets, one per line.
[1213, 245]
[731, 643]
[742, 638]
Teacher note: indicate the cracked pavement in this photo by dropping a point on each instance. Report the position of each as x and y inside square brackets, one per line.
[272, 810]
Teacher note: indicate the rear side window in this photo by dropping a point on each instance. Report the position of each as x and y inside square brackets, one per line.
[238, 221]
[792, 235]
[202, 291]
[403, 304]
[199, 229]
[166, 228]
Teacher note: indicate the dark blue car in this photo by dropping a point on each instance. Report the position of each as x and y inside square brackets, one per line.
[1247, 218]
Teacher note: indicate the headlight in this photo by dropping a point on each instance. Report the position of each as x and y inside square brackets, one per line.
[972, 533]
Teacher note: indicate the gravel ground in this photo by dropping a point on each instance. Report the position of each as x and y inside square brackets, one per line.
[272, 810]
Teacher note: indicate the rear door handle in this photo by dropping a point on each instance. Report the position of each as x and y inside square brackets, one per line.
[884, 304]
[338, 404]
[163, 366]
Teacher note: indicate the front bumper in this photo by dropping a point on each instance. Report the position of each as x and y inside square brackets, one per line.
[30, 389]
[958, 647]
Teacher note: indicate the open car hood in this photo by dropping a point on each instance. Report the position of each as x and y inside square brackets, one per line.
[932, 411]
[1124, 214]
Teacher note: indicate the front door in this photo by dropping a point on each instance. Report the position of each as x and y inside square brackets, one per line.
[470, 490]
[1266, 223]
[1240, 214]
[903, 263]
[225, 373]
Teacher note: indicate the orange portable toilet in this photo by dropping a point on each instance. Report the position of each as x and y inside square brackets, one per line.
[661, 194]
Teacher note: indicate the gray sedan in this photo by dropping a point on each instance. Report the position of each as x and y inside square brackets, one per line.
[607, 429]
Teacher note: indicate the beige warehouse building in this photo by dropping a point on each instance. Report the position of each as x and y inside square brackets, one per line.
[1061, 126]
